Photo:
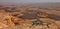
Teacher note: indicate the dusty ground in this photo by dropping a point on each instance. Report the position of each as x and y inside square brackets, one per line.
[28, 18]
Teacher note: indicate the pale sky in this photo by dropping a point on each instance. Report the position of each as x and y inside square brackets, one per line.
[29, 1]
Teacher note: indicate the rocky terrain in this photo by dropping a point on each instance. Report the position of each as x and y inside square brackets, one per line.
[28, 17]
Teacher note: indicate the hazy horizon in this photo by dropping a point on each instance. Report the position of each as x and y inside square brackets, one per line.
[25, 2]
[29, 1]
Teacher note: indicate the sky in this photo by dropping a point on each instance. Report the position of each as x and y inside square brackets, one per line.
[29, 1]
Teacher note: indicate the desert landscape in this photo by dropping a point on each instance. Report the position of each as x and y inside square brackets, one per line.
[30, 16]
